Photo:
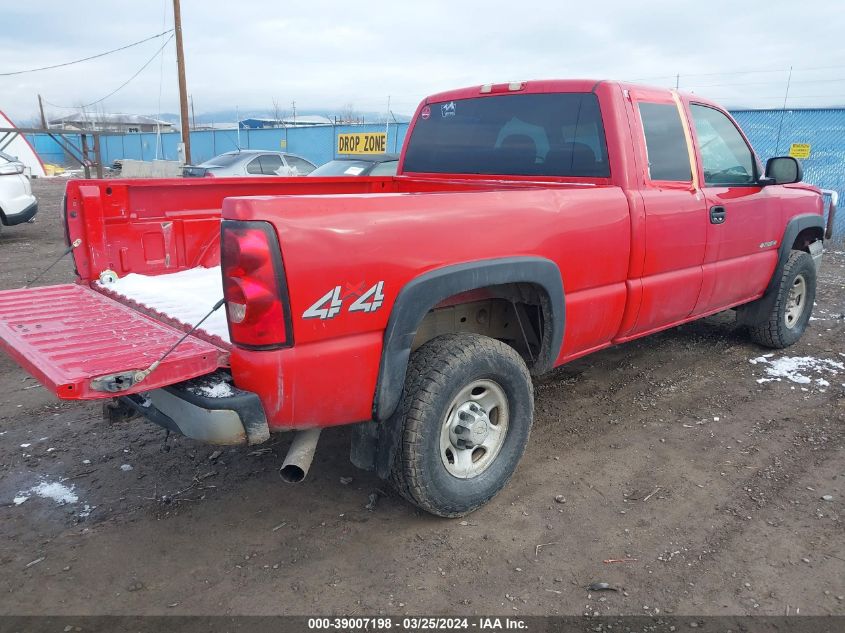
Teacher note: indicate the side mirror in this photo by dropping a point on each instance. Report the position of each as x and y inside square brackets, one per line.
[784, 170]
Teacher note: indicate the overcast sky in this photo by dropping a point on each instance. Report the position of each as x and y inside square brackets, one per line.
[328, 54]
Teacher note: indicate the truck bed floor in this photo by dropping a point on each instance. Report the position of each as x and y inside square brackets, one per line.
[185, 296]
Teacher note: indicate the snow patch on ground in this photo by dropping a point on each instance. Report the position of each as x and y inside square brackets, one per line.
[186, 296]
[221, 389]
[802, 370]
[53, 490]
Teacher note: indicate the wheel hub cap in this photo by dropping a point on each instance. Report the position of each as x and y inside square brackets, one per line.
[474, 429]
[795, 302]
[470, 426]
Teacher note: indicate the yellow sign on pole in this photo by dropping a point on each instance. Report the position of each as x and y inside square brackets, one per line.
[799, 150]
[362, 143]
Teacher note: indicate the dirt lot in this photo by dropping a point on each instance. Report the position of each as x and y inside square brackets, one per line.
[669, 452]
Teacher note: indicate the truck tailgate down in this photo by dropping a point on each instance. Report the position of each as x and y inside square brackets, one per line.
[82, 345]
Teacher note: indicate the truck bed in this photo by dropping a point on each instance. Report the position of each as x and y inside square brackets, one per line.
[182, 298]
[161, 240]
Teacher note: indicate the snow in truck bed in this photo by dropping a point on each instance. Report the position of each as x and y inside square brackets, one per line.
[185, 296]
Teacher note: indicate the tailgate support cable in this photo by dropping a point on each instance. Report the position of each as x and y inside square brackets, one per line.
[76, 243]
[141, 375]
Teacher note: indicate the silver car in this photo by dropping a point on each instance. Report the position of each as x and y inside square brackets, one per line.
[250, 162]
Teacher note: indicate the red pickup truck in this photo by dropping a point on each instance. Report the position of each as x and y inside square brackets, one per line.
[529, 224]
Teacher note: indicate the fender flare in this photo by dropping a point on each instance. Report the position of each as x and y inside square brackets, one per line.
[424, 292]
[757, 311]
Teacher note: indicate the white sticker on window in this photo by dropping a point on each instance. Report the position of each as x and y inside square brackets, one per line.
[353, 171]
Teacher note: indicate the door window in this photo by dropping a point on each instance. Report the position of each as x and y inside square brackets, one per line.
[387, 168]
[725, 156]
[254, 166]
[271, 164]
[666, 145]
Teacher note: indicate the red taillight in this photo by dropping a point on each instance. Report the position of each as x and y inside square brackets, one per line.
[254, 285]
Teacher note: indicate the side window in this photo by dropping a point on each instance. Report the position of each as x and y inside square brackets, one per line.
[725, 156]
[301, 165]
[271, 164]
[668, 156]
[254, 166]
[387, 168]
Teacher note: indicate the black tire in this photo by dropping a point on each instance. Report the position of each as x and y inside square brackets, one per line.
[437, 373]
[777, 331]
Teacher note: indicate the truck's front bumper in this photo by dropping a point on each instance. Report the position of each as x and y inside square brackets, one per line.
[235, 418]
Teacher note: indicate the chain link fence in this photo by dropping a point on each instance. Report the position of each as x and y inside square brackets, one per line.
[772, 133]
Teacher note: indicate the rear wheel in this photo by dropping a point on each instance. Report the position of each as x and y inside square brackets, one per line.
[794, 304]
[465, 419]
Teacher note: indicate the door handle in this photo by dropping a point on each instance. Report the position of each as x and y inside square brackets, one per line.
[717, 215]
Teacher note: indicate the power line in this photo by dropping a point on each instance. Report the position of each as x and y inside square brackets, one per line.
[85, 59]
[766, 83]
[738, 72]
[121, 86]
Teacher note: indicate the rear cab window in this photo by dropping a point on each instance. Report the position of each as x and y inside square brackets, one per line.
[549, 134]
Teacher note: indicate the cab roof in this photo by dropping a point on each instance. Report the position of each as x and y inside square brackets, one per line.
[536, 86]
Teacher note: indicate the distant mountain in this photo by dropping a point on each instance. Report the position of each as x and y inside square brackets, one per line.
[230, 116]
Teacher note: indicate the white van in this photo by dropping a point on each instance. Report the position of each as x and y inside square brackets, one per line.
[17, 204]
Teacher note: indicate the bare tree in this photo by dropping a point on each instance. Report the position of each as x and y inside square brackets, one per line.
[349, 115]
[277, 114]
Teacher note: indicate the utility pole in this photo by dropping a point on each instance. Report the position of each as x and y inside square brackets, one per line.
[183, 90]
[41, 109]
[293, 106]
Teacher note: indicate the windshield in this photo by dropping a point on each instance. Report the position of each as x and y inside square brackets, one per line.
[224, 160]
[342, 168]
[515, 134]
[7, 158]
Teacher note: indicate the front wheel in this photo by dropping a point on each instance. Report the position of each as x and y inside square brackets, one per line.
[465, 418]
[793, 306]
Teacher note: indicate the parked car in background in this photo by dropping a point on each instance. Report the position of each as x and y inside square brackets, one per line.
[250, 162]
[17, 204]
[375, 165]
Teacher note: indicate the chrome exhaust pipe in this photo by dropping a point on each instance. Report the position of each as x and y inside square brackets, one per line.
[299, 457]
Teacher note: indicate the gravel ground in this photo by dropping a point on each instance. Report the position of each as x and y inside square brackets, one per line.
[722, 494]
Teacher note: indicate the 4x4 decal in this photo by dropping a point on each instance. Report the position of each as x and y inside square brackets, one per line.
[330, 304]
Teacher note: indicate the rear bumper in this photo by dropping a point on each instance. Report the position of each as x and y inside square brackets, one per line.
[25, 215]
[236, 418]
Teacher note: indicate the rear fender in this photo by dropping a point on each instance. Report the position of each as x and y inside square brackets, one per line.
[422, 294]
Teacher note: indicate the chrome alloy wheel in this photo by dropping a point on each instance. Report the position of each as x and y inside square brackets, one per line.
[474, 429]
[795, 301]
